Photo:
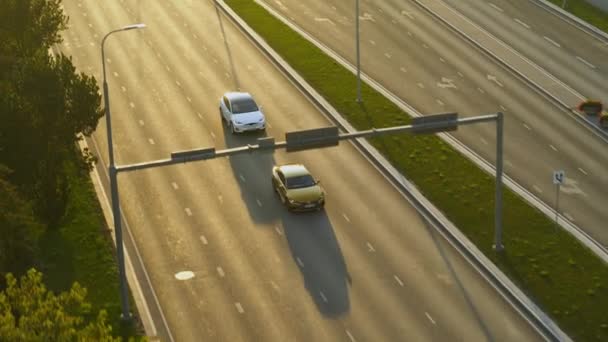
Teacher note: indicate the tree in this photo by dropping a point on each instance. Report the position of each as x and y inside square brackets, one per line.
[19, 229]
[28, 312]
[29, 25]
[44, 103]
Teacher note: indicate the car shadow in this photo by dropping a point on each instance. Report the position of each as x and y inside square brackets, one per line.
[252, 171]
[315, 251]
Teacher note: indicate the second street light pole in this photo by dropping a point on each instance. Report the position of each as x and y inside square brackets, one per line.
[358, 53]
[124, 290]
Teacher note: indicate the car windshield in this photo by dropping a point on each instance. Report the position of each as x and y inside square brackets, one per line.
[243, 106]
[300, 182]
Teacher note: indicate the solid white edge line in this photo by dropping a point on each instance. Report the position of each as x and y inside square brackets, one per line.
[105, 203]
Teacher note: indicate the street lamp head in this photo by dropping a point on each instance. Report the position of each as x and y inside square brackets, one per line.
[133, 27]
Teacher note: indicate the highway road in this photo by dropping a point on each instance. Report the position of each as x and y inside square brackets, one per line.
[433, 69]
[226, 261]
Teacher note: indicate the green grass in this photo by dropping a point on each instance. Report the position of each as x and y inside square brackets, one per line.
[554, 269]
[82, 250]
[586, 12]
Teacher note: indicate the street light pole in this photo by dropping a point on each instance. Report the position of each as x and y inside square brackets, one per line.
[358, 53]
[124, 292]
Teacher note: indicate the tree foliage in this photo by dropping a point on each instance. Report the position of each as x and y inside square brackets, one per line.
[29, 312]
[19, 229]
[44, 103]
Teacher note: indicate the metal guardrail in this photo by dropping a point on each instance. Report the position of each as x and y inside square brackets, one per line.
[506, 288]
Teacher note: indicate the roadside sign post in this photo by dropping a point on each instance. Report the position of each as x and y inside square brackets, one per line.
[558, 179]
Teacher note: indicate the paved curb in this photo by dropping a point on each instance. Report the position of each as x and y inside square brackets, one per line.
[495, 277]
[596, 247]
[134, 286]
[572, 19]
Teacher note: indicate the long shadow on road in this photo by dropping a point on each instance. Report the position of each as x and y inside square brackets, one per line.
[253, 174]
[315, 250]
[310, 236]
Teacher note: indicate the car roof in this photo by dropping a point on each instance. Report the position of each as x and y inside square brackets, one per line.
[293, 170]
[233, 95]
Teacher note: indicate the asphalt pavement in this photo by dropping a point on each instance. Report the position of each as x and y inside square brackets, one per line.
[432, 68]
[225, 260]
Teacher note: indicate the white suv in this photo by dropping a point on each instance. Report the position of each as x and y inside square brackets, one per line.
[241, 113]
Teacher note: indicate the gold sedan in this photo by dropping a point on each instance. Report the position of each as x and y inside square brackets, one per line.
[296, 187]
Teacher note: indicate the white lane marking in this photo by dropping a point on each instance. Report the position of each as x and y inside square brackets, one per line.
[352, 338]
[269, 125]
[480, 90]
[132, 105]
[568, 216]
[323, 296]
[493, 78]
[442, 60]
[325, 20]
[552, 41]
[203, 239]
[199, 115]
[398, 280]
[346, 218]
[583, 171]
[484, 141]
[585, 62]
[184, 275]
[460, 74]
[274, 285]
[123, 89]
[242, 178]
[227, 75]
[300, 262]
[403, 69]
[387, 55]
[220, 271]
[537, 189]
[439, 102]
[167, 68]
[220, 198]
[141, 122]
[189, 99]
[553, 147]
[151, 141]
[420, 85]
[430, 318]
[504, 109]
[188, 211]
[370, 247]
[212, 135]
[408, 14]
[380, 10]
[178, 84]
[174, 185]
[527, 127]
[239, 307]
[496, 7]
[521, 23]
[258, 202]
[278, 230]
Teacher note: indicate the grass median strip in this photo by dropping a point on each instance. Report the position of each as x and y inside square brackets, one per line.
[562, 276]
[585, 11]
